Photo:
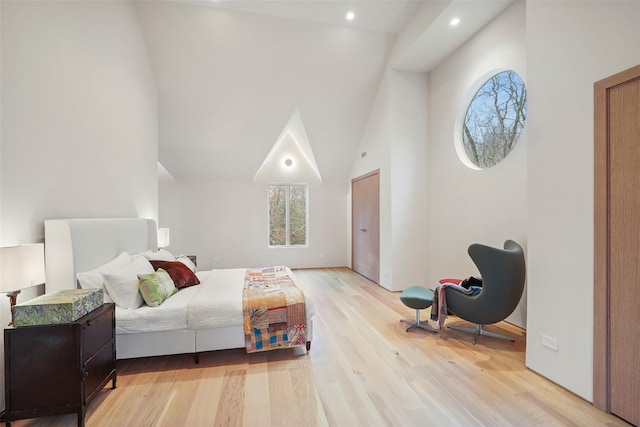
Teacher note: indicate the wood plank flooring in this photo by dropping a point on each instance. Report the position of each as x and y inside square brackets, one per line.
[363, 370]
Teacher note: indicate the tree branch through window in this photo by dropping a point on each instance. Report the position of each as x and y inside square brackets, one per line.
[494, 119]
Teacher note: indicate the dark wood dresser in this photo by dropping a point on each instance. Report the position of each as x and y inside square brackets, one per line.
[59, 369]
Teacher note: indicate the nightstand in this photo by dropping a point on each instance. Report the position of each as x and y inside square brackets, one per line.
[59, 369]
[194, 259]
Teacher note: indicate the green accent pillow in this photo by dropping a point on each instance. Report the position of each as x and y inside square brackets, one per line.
[156, 287]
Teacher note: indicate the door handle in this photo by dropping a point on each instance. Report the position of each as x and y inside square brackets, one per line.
[363, 229]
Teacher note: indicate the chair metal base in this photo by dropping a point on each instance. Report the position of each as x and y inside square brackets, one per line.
[417, 323]
[479, 330]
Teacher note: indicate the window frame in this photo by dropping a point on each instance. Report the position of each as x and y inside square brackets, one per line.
[288, 186]
[462, 114]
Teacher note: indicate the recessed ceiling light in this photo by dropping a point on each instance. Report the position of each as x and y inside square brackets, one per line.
[350, 16]
[454, 22]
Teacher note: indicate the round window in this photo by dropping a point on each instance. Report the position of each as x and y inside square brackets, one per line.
[494, 120]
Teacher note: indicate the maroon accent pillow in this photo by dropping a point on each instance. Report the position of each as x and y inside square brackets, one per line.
[181, 275]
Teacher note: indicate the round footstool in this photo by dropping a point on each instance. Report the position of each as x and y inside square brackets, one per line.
[418, 298]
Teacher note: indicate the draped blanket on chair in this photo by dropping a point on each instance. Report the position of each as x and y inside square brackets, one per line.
[274, 310]
[439, 306]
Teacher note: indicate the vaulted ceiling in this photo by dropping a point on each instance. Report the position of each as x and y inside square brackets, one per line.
[231, 74]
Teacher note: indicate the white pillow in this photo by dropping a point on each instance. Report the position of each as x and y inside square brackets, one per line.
[95, 280]
[160, 255]
[122, 285]
[186, 261]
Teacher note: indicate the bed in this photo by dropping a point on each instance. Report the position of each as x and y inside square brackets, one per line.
[196, 319]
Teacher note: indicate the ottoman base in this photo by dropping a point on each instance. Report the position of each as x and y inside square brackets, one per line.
[418, 298]
[419, 324]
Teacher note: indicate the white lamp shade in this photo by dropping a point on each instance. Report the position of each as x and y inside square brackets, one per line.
[163, 237]
[21, 267]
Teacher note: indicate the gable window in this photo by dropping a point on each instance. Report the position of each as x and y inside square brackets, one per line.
[288, 214]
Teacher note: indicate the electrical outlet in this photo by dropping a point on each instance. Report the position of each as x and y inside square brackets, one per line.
[549, 342]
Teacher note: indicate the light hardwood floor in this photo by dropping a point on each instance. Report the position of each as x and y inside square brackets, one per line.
[363, 370]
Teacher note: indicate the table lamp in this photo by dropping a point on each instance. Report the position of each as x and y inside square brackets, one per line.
[20, 267]
[163, 237]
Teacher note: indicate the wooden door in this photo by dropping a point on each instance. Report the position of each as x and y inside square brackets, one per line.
[617, 245]
[365, 225]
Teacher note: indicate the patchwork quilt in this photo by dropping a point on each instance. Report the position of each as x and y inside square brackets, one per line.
[274, 310]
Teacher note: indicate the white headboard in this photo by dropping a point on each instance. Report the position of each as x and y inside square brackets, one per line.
[77, 245]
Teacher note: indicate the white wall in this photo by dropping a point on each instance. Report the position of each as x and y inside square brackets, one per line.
[79, 115]
[466, 206]
[395, 140]
[78, 119]
[409, 178]
[375, 142]
[224, 223]
[570, 45]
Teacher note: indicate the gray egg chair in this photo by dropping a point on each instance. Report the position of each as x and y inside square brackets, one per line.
[503, 278]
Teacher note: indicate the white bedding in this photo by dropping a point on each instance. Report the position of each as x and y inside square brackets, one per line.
[218, 303]
[171, 315]
[215, 303]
